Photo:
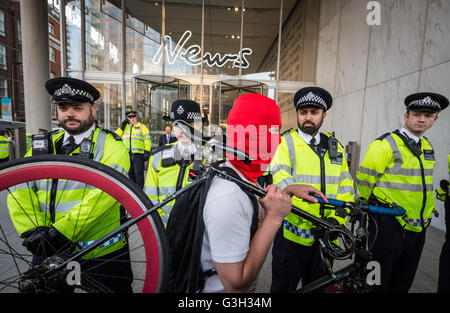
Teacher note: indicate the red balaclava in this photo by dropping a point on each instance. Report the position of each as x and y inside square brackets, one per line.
[253, 126]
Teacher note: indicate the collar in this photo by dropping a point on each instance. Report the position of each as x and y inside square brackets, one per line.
[410, 135]
[307, 137]
[78, 138]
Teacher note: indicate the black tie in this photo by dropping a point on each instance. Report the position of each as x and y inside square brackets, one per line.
[69, 146]
[312, 144]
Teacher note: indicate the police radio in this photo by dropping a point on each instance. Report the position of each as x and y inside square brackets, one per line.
[333, 147]
[40, 144]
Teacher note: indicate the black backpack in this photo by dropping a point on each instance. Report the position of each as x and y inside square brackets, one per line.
[185, 230]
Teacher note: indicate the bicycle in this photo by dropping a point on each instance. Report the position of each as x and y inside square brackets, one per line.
[142, 224]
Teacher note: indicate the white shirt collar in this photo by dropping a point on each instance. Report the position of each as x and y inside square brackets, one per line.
[410, 135]
[78, 138]
[307, 137]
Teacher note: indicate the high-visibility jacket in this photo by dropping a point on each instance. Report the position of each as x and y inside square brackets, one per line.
[82, 213]
[136, 138]
[393, 174]
[440, 193]
[4, 147]
[296, 163]
[165, 176]
[29, 139]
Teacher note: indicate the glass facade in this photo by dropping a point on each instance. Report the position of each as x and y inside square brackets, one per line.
[143, 55]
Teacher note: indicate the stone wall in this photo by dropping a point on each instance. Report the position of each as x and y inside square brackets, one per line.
[371, 69]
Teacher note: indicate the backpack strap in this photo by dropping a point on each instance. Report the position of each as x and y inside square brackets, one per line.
[252, 197]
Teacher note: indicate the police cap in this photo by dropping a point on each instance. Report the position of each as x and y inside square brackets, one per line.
[71, 90]
[186, 110]
[313, 96]
[426, 101]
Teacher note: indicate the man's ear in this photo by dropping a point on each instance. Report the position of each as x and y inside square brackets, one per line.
[93, 110]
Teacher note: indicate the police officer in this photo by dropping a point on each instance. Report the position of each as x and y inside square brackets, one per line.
[136, 138]
[443, 194]
[4, 147]
[398, 168]
[169, 168]
[66, 215]
[306, 156]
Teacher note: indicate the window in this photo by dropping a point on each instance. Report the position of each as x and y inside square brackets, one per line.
[51, 52]
[2, 23]
[51, 28]
[3, 62]
[3, 88]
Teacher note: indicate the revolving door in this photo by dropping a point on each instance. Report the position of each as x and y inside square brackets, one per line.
[153, 97]
[225, 92]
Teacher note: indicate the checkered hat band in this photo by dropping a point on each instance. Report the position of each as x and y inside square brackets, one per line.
[426, 103]
[66, 90]
[313, 99]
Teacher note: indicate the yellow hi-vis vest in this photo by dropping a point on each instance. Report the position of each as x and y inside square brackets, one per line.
[296, 163]
[162, 178]
[4, 147]
[392, 173]
[136, 138]
[29, 203]
[440, 193]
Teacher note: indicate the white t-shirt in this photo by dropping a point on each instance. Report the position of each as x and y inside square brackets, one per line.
[228, 216]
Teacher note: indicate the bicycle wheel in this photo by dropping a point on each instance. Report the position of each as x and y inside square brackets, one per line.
[146, 239]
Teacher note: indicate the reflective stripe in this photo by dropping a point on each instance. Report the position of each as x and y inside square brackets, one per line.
[118, 168]
[286, 182]
[156, 159]
[416, 222]
[369, 171]
[409, 171]
[159, 191]
[137, 149]
[291, 150]
[99, 146]
[63, 185]
[345, 175]
[297, 230]
[61, 207]
[404, 187]
[345, 189]
[280, 167]
[398, 159]
[117, 238]
[133, 138]
[365, 183]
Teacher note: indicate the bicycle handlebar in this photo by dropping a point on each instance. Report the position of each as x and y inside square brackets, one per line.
[369, 208]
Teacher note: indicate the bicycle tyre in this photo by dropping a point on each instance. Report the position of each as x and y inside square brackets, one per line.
[118, 186]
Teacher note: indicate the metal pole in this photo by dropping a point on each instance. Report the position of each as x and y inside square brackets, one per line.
[163, 36]
[202, 49]
[83, 38]
[279, 51]
[62, 31]
[242, 38]
[35, 45]
[124, 60]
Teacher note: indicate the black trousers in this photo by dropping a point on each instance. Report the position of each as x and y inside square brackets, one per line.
[291, 262]
[136, 172]
[4, 160]
[112, 270]
[398, 251]
[444, 260]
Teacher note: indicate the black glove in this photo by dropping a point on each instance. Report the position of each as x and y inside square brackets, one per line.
[46, 241]
[124, 124]
[146, 155]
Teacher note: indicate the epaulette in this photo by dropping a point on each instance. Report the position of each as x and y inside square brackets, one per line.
[116, 137]
[285, 132]
[383, 136]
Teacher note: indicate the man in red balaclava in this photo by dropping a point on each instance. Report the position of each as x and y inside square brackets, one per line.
[231, 250]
